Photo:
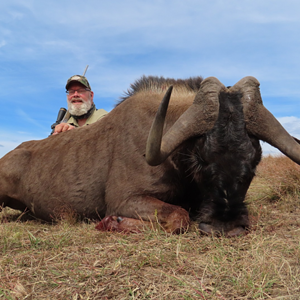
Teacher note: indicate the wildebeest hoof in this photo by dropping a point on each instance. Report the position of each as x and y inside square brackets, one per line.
[239, 230]
[206, 228]
[210, 229]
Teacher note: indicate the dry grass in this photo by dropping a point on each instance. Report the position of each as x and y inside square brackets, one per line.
[72, 260]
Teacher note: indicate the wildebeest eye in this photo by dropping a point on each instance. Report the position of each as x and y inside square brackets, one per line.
[119, 219]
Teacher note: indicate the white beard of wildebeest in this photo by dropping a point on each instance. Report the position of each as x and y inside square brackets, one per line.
[76, 110]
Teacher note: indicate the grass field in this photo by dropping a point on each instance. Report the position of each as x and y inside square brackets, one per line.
[71, 260]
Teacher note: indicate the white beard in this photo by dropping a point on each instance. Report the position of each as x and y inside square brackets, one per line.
[76, 110]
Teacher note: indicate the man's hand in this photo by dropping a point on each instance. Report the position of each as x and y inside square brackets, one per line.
[62, 127]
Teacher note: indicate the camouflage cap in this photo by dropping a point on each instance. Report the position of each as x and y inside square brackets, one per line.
[79, 78]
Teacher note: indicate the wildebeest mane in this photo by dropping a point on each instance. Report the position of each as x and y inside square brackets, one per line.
[161, 84]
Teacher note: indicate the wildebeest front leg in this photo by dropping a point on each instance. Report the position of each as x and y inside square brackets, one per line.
[139, 213]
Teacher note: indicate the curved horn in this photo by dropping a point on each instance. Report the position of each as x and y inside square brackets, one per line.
[261, 123]
[196, 120]
[156, 131]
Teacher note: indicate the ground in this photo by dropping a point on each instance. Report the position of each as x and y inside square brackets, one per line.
[72, 260]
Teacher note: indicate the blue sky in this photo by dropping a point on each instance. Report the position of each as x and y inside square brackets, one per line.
[43, 43]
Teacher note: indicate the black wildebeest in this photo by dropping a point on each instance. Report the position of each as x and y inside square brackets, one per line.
[204, 153]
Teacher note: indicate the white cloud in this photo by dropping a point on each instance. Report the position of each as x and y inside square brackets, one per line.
[43, 44]
[269, 150]
[6, 147]
[10, 140]
[29, 119]
[291, 125]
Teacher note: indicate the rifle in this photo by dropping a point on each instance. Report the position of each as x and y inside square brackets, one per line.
[60, 116]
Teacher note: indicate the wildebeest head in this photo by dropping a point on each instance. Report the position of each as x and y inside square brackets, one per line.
[223, 128]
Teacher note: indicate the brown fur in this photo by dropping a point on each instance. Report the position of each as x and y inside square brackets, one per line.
[100, 170]
[158, 85]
